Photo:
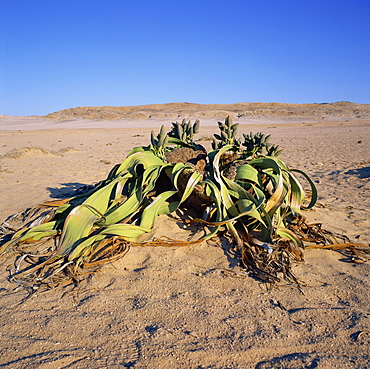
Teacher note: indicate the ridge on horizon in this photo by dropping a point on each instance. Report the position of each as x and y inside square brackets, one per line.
[195, 110]
[175, 110]
[186, 103]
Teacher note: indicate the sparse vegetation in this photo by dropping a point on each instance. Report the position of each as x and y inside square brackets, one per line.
[241, 189]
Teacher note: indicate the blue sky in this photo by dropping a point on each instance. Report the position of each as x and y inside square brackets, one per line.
[59, 54]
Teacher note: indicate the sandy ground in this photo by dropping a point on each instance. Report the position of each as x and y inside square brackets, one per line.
[190, 307]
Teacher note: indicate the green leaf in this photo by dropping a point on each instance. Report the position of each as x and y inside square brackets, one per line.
[138, 149]
[129, 232]
[100, 199]
[249, 208]
[289, 235]
[266, 163]
[32, 234]
[77, 226]
[296, 194]
[313, 188]
[145, 158]
[151, 212]
[247, 172]
[127, 208]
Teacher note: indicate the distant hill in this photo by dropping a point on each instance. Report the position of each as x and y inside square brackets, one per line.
[190, 110]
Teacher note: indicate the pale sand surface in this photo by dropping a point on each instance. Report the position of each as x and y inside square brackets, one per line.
[184, 307]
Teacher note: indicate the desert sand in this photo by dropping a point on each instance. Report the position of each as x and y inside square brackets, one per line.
[190, 307]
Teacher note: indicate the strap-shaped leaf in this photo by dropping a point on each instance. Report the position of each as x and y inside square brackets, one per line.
[313, 188]
[83, 248]
[151, 212]
[277, 197]
[145, 158]
[289, 235]
[77, 226]
[194, 179]
[127, 208]
[101, 198]
[228, 204]
[248, 207]
[266, 163]
[32, 234]
[127, 231]
[247, 172]
[295, 195]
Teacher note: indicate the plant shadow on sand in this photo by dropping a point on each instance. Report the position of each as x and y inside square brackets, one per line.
[68, 189]
[296, 360]
[360, 172]
[232, 254]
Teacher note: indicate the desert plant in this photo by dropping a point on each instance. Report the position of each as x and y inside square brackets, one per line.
[184, 131]
[158, 143]
[257, 144]
[227, 134]
[260, 208]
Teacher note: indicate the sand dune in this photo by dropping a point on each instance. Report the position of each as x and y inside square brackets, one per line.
[32, 151]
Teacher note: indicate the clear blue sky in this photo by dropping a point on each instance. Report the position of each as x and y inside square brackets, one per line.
[59, 54]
